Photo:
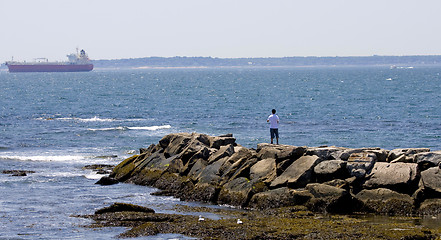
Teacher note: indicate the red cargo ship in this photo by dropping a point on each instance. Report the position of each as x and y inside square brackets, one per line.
[78, 62]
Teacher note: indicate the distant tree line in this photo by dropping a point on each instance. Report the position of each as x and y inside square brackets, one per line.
[266, 62]
[284, 61]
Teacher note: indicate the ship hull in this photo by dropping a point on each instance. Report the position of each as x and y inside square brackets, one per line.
[50, 67]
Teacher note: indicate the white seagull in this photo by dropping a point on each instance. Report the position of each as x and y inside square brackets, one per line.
[201, 218]
[239, 221]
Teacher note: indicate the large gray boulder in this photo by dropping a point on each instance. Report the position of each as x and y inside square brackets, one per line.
[325, 153]
[237, 192]
[385, 201]
[279, 152]
[431, 182]
[329, 170]
[211, 174]
[428, 159]
[298, 174]
[280, 197]
[264, 170]
[401, 177]
[329, 199]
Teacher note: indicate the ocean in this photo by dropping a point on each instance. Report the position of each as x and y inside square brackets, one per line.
[56, 123]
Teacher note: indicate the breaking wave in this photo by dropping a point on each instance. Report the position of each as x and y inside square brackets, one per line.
[93, 119]
[122, 128]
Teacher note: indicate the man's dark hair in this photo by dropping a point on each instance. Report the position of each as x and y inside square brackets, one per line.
[273, 111]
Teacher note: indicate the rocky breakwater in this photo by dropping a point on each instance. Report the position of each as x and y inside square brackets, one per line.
[198, 167]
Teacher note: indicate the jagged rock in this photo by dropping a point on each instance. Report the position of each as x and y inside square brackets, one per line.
[325, 153]
[346, 153]
[328, 198]
[280, 197]
[123, 170]
[407, 152]
[298, 174]
[198, 167]
[224, 151]
[217, 142]
[428, 159]
[174, 143]
[360, 163]
[124, 207]
[284, 155]
[403, 159]
[401, 177]
[212, 172]
[331, 169]
[243, 170]
[237, 192]
[201, 156]
[431, 182]
[264, 170]
[279, 152]
[385, 201]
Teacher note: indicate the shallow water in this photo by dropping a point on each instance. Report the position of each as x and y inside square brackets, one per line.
[56, 123]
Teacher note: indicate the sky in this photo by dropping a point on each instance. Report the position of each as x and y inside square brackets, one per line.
[110, 29]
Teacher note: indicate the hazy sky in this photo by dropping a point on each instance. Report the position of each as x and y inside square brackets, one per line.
[109, 29]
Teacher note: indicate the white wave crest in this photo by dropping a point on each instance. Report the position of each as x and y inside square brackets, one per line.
[149, 128]
[93, 119]
[108, 129]
[43, 158]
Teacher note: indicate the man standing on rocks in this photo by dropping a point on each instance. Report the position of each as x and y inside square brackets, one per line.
[273, 119]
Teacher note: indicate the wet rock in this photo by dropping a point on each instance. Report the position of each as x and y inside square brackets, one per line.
[107, 181]
[124, 207]
[280, 197]
[298, 174]
[385, 201]
[430, 207]
[236, 192]
[329, 199]
[401, 177]
[17, 173]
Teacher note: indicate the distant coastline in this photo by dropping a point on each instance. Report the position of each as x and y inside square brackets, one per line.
[201, 62]
[310, 61]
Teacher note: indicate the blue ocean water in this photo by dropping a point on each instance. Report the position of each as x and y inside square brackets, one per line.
[56, 123]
